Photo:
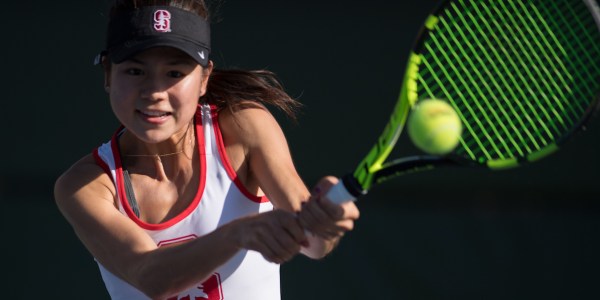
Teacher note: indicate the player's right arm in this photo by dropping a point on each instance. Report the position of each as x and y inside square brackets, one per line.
[86, 196]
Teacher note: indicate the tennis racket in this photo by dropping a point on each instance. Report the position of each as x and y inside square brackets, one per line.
[522, 75]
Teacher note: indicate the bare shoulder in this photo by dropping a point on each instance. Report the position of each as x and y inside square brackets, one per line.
[248, 124]
[83, 177]
[258, 152]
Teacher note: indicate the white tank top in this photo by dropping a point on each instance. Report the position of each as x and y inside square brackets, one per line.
[221, 198]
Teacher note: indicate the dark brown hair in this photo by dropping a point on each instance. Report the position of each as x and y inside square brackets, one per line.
[232, 88]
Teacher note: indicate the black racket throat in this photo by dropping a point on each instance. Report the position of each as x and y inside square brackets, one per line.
[405, 165]
[417, 163]
[352, 186]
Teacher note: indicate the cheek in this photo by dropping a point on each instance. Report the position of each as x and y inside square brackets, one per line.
[118, 110]
[121, 102]
[191, 90]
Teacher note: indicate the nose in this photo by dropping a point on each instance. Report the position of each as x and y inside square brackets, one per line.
[153, 88]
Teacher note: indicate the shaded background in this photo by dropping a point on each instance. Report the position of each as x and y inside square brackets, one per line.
[520, 234]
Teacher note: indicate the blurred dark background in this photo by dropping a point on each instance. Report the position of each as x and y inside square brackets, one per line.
[527, 233]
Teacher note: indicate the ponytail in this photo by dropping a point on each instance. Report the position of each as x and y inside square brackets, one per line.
[232, 88]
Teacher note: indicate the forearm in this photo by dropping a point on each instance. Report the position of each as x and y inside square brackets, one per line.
[168, 270]
[276, 235]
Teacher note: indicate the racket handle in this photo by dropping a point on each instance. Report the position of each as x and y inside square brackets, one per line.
[347, 189]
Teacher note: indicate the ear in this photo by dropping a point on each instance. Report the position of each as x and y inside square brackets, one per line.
[206, 71]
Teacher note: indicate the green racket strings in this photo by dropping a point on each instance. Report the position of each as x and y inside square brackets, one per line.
[521, 74]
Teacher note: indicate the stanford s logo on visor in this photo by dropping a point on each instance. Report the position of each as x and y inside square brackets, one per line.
[162, 20]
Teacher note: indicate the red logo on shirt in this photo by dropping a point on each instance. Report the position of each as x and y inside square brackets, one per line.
[208, 290]
[162, 20]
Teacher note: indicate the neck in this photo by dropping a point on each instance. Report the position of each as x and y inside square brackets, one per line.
[161, 161]
[177, 145]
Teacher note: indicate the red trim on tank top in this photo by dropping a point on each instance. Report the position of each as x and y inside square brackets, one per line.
[197, 198]
[224, 158]
[96, 153]
[176, 240]
[101, 162]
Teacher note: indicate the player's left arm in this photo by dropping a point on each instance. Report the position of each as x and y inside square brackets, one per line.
[259, 152]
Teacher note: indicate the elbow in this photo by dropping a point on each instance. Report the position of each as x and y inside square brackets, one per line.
[150, 280]
[156, 292]
[162, 289]
[150, 287]
[156, 289]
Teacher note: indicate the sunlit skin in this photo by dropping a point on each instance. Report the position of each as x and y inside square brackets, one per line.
[154, 95]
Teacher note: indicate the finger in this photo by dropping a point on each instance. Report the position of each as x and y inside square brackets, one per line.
[295, 229]
[330, 228]
[278, 246]
[313, 218]
[282, 251]
[290, 223]
[334, 211]
[265, 234]
[305, 217]
[350, 211]
[288, 235]
[323, 185]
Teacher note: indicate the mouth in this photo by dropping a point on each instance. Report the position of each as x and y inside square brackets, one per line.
[154, 116]
[154, 113]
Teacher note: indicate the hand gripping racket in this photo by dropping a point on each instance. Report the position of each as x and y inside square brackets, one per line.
[523, 76]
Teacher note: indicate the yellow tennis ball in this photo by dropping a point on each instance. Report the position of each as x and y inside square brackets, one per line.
[434, 126]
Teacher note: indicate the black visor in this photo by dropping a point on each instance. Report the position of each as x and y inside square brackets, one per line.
[154, 26]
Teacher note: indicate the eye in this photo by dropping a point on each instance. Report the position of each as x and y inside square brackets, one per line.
[175, 74]
[134, 71]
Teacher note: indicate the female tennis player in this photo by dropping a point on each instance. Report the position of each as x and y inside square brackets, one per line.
[196, 195]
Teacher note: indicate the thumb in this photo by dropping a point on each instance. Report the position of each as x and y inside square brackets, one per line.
[322, 186]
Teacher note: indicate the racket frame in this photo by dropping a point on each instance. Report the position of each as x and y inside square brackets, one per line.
[373, 169]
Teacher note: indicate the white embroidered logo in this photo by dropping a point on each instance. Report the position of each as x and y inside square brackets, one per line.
[162, 20]
[201, 54]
